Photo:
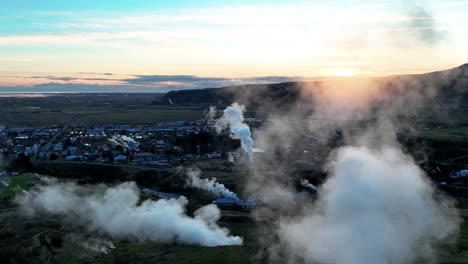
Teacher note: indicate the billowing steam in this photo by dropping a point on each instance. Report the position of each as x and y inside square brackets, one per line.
[211, 112]
[234, 118]
[115, 211]
[376, 207]
[122, 140]
[309, 185]
[230, 157]
[99, 245]
[128, 139]
[209, 185]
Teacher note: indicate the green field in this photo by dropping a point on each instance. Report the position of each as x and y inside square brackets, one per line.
[93, 109]
[16, 184]
[459, 255]
[449, 135]
[96, 115]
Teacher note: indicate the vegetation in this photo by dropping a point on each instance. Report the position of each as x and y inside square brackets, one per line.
[175, 254]
[448, 135]
[16, 184]
[460, 254]
[92, 109]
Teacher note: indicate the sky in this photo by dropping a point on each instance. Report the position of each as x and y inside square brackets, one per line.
[158, 45]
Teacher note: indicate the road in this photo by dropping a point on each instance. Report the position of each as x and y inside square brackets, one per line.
[48, 145]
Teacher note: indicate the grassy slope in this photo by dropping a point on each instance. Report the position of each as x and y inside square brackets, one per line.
[93, 116]
[460, 254]
[450, 135]
[153, 252]
[17, 184]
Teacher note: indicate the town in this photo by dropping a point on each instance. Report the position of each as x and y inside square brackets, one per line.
[159, 145]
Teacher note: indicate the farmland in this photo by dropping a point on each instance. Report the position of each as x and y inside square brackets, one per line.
[91, 109]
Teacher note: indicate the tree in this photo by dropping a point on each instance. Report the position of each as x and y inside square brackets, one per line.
[68, 142]
[53, 156]
[23, 161]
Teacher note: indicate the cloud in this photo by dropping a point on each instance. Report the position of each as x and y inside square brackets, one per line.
[199, 37]
[115, 211]
[194, 82]
[423, 26]
[77, 88]
[97, 73]
[148, 79]
[68, 78]
[140, 83]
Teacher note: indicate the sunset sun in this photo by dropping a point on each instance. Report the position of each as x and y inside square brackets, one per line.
[339, 72]
[343, 72]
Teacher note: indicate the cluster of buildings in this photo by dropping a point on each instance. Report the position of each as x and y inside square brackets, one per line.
[459, 174]
[237, 203]
[25, 139]
[158, 145]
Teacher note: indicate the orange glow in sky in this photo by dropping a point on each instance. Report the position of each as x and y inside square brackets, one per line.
[290, 39]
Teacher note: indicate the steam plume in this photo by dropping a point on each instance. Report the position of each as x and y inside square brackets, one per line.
[234, 118]
[114, 211]
[99, 245]
[93, 244]
[122, 140]
[211, 112]
[128, 139]
[377, 207]
[309, 185]
[210, 185]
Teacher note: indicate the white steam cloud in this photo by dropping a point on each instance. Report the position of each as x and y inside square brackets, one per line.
[115, 211]
[376, 207]
[234, 118]
[209, 185]
[309, 185]
[122, 140]
[128, 139]
[211, 112]
[99, 245]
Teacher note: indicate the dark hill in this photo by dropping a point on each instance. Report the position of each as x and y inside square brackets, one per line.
[279, 92]
[443, 87]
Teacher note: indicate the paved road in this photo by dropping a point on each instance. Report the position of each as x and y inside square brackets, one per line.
[48, 145]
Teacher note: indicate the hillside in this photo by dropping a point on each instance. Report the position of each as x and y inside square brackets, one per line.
[446, 87]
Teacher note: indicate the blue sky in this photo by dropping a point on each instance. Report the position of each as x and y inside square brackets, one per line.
[237, 41]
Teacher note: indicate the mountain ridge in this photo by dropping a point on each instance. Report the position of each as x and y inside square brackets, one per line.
[446, 83]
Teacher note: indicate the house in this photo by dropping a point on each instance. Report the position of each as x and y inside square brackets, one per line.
[58, 147]
[120, 158]
[213, 155]
[28, 151]
[460, 174]
[72, 150]
[74, 158]
[235, 203]
[143, 156]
